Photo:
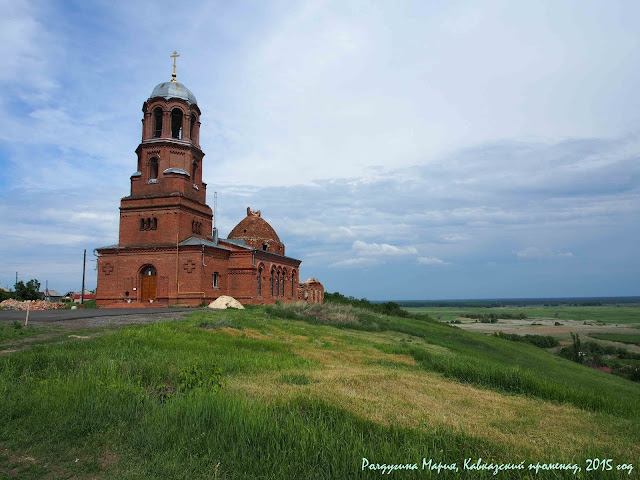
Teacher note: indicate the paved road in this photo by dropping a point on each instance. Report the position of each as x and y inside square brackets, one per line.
[82, 314]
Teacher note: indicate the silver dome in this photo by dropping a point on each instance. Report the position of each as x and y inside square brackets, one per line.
[174, 90]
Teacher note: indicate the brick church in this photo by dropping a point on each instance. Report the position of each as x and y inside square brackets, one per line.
[168, 252]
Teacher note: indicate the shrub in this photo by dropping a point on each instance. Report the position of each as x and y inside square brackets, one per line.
[541, 341]
[387, 308]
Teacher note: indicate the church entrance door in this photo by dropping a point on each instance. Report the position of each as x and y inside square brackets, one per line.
[148, 285]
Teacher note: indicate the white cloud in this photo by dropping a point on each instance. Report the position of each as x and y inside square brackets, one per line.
[431, 261]
[382, 249]
[355, 262]
[535, 253]
[455, 237]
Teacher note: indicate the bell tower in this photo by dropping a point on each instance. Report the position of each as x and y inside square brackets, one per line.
[167, 203]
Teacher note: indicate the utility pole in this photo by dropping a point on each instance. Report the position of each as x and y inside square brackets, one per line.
[15, 287]
[84, 264]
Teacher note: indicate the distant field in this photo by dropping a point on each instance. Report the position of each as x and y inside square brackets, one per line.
[604, 314]
[622, 338]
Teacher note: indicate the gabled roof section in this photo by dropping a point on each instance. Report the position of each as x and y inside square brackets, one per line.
[200, 241]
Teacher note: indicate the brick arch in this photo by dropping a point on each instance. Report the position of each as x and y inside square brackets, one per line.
[173, 104]
[156, 103]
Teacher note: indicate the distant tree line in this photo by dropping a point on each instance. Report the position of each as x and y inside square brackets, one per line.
[28, 291]
[493, 317]
[522, 302]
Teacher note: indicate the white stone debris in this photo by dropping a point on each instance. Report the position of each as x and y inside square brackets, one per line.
[226, 302]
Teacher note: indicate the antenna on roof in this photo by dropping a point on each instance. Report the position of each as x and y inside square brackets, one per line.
[215, 214]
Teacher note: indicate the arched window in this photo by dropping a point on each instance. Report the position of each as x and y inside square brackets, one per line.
[142, 224]
[147, 225]
[149, 272]
[293, 281]
[176, 123]
[260, 282]
[193, 127]
[154, 225]
[282, 286]
[157, 122]
[153, 169]
[277, 284]
[194, 172]
[272, 283]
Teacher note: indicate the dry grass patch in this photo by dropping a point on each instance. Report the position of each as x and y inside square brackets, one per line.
[423, 400]
[245, 332]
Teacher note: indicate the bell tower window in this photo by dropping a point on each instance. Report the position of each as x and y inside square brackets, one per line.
[157, 122]
[176, 123]
[193, 128]
[153, 169]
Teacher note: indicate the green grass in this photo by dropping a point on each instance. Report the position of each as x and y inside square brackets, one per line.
[604, 314]
[633, 339]
[14, 331]
[155, 401]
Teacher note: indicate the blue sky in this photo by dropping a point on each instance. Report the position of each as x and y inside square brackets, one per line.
[402, 150]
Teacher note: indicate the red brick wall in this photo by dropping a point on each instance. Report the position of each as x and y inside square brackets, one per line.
[119, 271]
[174, 214]
[311, 291]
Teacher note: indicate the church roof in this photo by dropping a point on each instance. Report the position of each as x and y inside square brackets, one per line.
[254, 226]
[200, 241]
[174, 90]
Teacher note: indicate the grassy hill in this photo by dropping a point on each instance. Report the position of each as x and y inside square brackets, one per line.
[294, 391]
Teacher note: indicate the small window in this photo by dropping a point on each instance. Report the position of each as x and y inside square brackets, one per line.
[149, 272]
[264, 247]
[154, 224]
[216, 277]
[142, 224]
[153, 169]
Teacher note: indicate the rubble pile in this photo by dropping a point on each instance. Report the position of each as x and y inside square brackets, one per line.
[224, 302]
[11, 304]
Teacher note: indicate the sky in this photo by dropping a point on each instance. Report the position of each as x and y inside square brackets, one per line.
[401, 150]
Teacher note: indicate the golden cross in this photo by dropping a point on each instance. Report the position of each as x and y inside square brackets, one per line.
[173, 75]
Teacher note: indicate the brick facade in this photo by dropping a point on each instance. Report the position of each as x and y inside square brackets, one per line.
[166, 253]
